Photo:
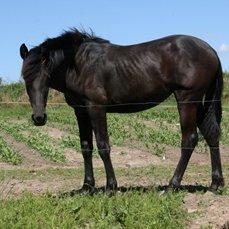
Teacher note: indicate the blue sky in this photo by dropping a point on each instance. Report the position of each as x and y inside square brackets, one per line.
[120, 21]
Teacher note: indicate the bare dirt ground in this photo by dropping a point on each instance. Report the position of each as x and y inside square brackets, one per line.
[54, 132]
[211, 210]
[31, 158]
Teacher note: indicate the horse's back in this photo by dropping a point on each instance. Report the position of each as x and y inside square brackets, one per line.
[177, 61]
[148, 72]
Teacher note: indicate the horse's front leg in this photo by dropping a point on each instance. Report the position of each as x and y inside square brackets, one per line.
[99, 125]
[85, 130]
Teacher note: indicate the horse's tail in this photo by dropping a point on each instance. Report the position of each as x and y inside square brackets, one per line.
[212, 103]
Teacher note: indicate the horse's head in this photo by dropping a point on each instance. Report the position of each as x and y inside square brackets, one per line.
[36, 76]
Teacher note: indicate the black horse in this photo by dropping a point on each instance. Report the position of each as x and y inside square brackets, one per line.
[97, 77]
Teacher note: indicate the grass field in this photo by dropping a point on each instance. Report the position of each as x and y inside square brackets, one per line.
[39, 165]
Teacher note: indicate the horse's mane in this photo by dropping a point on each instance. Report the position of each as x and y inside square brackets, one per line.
[54, 50]
[71, 37]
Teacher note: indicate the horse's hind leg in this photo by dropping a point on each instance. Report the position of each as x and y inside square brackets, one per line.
[211, 132]
[187, 113]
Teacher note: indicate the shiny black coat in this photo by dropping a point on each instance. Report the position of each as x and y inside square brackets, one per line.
[97, 77]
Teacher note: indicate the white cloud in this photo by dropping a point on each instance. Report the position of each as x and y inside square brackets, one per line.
[224, 48]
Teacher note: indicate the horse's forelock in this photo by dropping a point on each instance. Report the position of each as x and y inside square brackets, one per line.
[31, 65]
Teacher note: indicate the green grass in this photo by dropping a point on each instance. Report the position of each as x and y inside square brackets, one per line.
[12, 92]
[124, 129]
[8, 154]
[36, 139]
[133, 209]
[225, 128]
[136, 208]
[41, 175]
[71, 142]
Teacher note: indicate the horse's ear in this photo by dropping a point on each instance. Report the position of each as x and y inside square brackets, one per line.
[24, 51]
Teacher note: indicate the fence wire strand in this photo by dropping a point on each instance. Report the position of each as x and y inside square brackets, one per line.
[116, 105]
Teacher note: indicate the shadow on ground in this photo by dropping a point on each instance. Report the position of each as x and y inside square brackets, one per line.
[122, 189]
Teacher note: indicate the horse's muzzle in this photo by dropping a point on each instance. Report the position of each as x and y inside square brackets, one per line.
[39, 120]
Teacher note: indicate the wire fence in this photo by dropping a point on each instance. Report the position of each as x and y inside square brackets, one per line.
[123, 105]
[169, 106]
[119, 104]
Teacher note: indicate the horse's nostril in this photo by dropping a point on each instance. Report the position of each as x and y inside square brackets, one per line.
[39, 119]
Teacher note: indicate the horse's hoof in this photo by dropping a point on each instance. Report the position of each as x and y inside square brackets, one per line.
[216, 184]
[87, 189]
[215, 188]
[112, 185]
[111, 189]
[173, 186]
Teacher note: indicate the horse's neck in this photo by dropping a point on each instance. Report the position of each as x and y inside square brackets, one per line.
[57, 83]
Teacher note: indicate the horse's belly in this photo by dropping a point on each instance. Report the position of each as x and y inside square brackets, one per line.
[137, 105]
[128, 108]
